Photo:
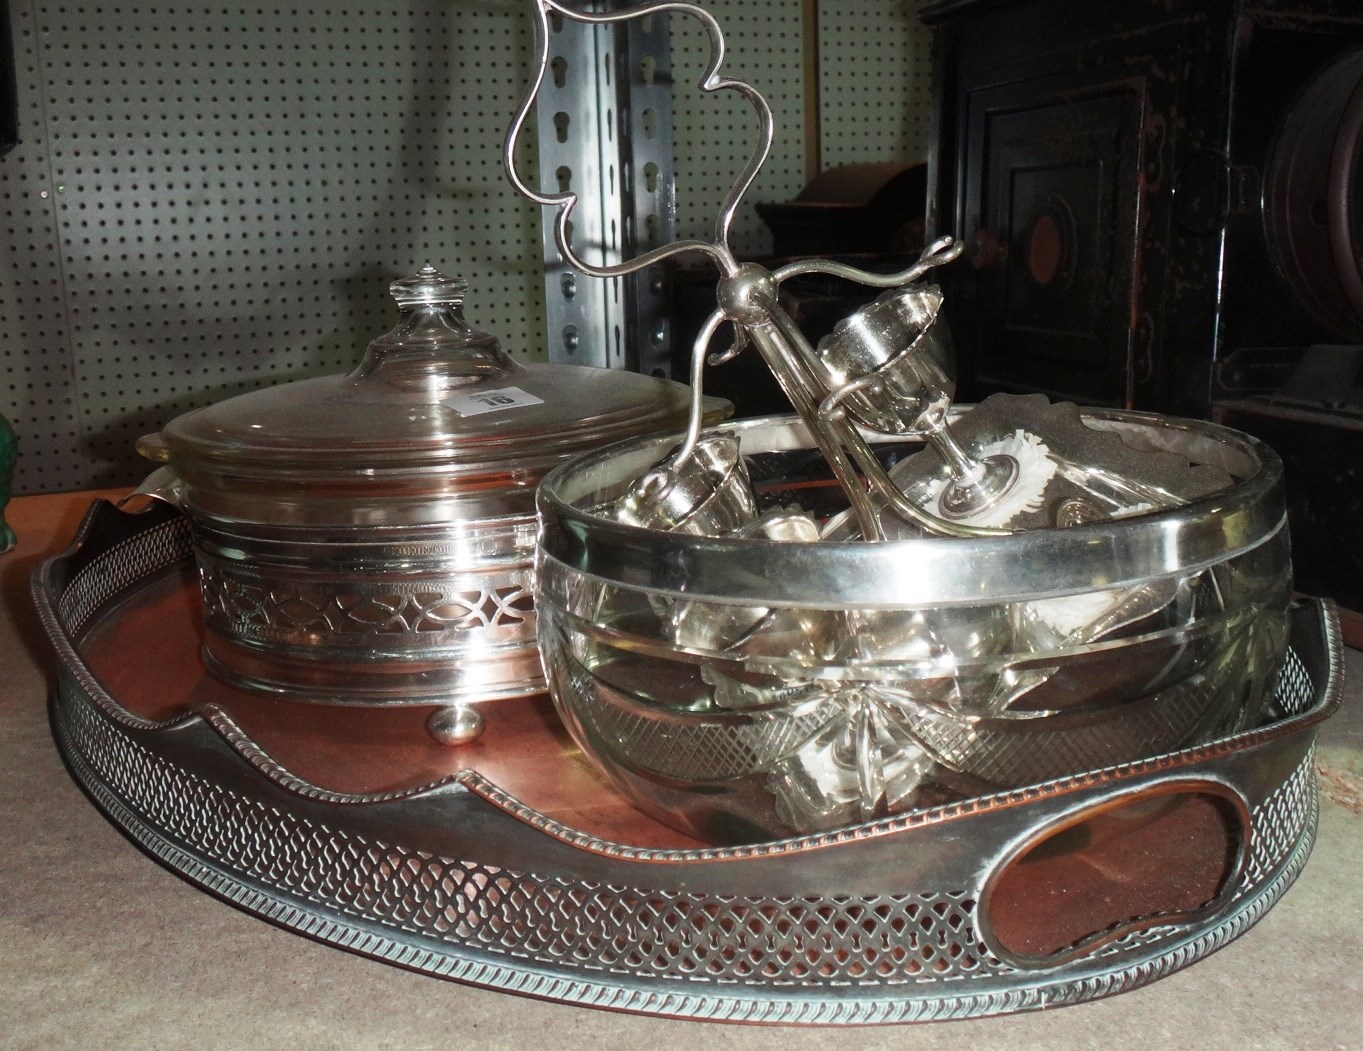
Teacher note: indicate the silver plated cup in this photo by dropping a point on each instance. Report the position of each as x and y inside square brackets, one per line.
[705, 493]
[889, 366]
[900, 359]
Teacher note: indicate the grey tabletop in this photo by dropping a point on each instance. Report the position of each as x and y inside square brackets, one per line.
[101, 947]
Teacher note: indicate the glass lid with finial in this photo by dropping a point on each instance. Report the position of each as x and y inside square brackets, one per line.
[435, 408]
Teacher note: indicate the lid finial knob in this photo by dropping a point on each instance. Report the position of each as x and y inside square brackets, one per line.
[429, 286]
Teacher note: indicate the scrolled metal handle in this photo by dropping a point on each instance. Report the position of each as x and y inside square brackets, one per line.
[710, 81]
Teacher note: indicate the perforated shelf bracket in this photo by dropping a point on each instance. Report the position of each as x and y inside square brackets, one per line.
[604, 118]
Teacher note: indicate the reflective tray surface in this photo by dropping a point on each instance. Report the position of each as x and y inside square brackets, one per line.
[510, 865]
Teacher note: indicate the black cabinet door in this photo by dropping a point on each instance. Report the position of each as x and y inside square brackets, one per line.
[1052, 191]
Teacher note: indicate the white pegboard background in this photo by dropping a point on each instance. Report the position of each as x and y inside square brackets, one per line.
[209, 199]
[36, 384]
[715, 133]
[230, 192]
[875, 82]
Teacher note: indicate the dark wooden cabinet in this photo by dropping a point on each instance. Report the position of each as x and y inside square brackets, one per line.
[1163, 201]
[1053, 188]
[1107, 164]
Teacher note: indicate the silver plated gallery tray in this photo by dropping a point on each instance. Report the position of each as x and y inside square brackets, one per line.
[512, 867]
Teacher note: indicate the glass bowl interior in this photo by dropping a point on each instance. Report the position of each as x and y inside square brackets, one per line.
[741, 688]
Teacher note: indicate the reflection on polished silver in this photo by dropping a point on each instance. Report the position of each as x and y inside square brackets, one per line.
[891, 363]
[893, 921]
[1070, 462]
[705, 491]
[740, 688]
[890, 367]
[887, 367]
[941, 638]
[748, 295]
[367, 539]
[455, 724]
[699, 626]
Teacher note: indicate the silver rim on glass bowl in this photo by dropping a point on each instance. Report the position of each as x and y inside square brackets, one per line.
[931, 570]
[742, 688]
